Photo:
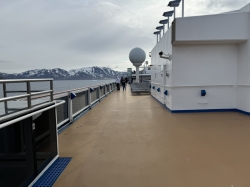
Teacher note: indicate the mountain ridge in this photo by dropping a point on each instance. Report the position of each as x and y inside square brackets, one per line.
[85, 73]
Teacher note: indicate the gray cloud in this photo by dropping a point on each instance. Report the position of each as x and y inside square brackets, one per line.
[80, 33]
[217, 4]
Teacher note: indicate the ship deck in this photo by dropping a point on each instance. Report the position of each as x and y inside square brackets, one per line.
[134, 141]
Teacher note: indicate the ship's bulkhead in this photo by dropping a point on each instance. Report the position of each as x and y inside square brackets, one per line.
[209, 68]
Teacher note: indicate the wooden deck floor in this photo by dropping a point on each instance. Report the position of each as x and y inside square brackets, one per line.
[132, 141]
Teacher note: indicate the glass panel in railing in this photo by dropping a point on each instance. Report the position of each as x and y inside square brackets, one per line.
[103, 91]
[79, 102]
[94, 95]
[62, 110]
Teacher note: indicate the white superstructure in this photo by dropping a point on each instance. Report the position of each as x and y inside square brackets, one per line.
[210, 53]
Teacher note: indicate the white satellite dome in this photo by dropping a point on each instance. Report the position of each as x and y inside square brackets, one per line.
[137, 56]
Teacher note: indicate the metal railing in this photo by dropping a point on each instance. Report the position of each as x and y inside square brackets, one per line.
[29, 138]
[85, 98]
[143, 87]
[28, 91]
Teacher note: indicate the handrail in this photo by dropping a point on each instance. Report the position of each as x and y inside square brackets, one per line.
[24, 111]
[21, 91]
[76, 89]
[13, 97]
[28, 91]
[66, 91]
[49, 95]
[83, 88]
[29, 115]
[24, 80]
[43, 92]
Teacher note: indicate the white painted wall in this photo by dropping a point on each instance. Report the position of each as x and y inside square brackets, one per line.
[189, 98]
[217, 28]
[243, 79]
[157, 76]
[211, 53]
[205, 66]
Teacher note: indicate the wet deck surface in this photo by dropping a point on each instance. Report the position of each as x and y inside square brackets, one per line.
[132, 141]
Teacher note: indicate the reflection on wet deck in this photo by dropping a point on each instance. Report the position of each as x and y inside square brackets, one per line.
[133, 141]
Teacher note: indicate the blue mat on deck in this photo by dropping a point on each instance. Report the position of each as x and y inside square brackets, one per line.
[50, 175]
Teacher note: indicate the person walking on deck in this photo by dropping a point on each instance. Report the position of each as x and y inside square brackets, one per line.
[126, 82]
[117, 80]
[123, 81]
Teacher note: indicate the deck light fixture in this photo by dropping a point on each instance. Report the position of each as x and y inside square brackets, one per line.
[165, 21]
[168, 14]
[176, 3]
[160, 28]
[157, 33]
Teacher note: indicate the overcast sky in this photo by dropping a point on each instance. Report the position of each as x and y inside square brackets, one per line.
[71, 34]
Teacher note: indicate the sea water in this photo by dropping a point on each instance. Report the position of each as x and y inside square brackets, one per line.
[58, 86]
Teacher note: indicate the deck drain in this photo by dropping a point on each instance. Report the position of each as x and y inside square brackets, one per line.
[50, 175]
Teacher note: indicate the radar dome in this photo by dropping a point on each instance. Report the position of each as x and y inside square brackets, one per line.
[137, 56]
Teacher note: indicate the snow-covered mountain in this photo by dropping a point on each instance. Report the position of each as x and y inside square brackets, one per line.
[88, 73]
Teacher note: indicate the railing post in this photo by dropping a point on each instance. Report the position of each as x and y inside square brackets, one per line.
[28, 92]
[51, 93]
[5, 95]
[99, 93]
[70, 109]
[89, 97]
